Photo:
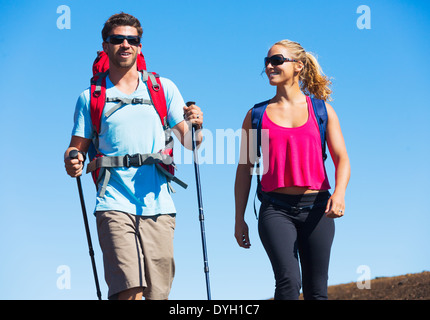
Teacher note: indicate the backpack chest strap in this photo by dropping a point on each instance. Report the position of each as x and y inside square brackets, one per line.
[124, 101]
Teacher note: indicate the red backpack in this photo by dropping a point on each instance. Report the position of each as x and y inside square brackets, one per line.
[99, 164]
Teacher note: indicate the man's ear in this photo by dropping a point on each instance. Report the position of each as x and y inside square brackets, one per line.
[105, 46]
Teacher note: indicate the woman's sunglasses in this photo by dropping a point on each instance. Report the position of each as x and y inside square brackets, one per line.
[119, 39]
[277, 60]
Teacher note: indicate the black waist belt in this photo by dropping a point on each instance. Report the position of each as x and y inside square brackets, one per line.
[264, 197]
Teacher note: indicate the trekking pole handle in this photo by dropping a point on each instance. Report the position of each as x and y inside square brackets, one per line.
[74, 154]
[190, 103]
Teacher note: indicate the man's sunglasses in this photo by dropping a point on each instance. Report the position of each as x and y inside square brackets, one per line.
[119, 39]
[277, 60]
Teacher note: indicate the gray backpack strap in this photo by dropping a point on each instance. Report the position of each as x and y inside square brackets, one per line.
[101, 76]
[171, 177]
[124, 101]
[155, 84]
[144, 75]
[105, 174]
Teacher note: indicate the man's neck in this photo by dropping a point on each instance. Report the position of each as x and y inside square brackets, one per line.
[125, 79]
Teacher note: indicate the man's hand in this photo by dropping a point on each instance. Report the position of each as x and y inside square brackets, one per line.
[193, 114]
[74, 167]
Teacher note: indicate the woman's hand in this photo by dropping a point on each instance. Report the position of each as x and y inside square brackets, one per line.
[241, 234]
[335, 206]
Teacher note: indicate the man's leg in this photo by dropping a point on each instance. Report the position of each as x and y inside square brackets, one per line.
[122, 254]
[131, 294]
[156, 236]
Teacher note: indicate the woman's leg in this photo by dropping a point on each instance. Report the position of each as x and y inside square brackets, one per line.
[279, 237]
[315, 238]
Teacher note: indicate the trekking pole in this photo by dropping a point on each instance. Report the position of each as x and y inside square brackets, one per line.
[74, 155]
[200, 203]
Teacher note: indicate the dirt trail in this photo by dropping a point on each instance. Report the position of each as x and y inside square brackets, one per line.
[405, 287]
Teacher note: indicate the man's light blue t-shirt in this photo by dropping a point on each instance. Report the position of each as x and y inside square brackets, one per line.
[133, 128]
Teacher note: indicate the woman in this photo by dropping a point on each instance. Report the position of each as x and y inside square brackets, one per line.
[295, 175]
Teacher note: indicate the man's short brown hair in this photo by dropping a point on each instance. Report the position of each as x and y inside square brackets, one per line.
[121, 19]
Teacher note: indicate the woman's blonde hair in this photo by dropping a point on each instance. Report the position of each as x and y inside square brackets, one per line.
[312, 79]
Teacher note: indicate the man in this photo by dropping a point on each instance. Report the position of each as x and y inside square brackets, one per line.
[135, 214]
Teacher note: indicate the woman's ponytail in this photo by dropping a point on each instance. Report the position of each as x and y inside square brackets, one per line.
[312, 79]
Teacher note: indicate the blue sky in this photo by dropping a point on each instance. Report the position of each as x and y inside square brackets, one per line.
[213, 51]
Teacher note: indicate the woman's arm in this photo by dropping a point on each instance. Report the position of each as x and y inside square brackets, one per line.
[243, 182]
[336, 144]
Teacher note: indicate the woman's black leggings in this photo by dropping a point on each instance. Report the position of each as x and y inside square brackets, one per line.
[288, 234]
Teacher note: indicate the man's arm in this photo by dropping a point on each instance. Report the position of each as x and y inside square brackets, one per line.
[74, 166]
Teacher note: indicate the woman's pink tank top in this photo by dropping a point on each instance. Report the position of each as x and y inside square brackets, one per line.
[295, 155]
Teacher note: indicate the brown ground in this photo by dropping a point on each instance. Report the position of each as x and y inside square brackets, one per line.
[406, 287]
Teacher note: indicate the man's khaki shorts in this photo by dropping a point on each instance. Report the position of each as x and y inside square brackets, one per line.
[137, 252]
